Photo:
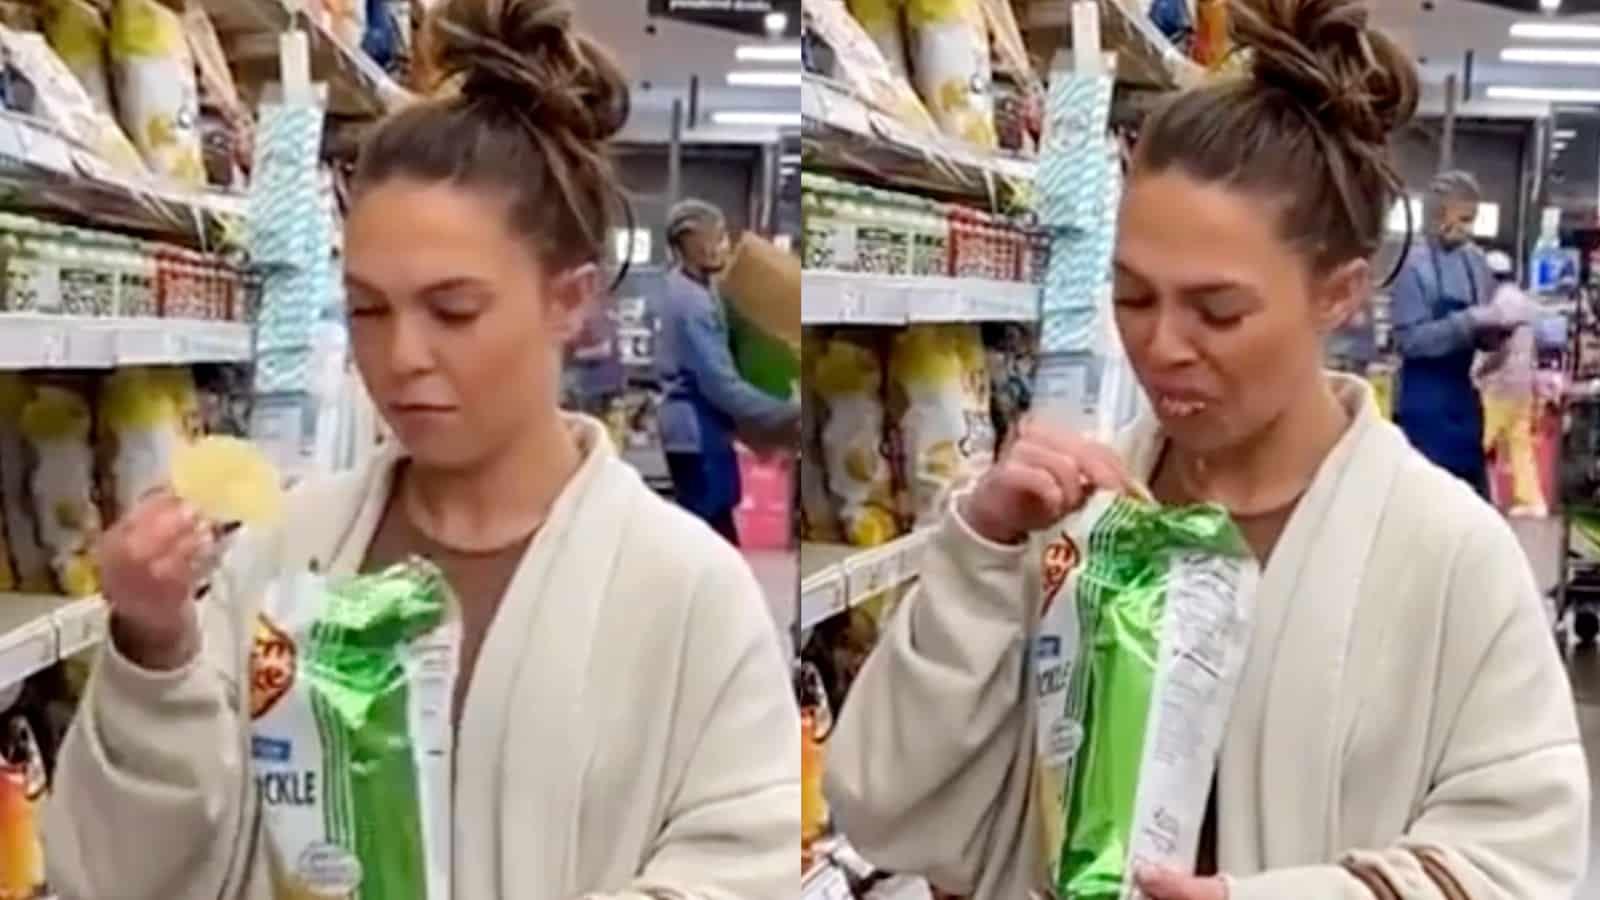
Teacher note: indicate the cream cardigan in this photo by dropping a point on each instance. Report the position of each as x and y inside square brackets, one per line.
[1402, 691]
[629, 733]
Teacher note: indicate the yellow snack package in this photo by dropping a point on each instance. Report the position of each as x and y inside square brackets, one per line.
[941, 402]
[57, 425]
[27, 560]
[954, 73]
[228, 480]
[848, 379]
[157, 92]
[76, 30]
[884, 22]
[139, 433]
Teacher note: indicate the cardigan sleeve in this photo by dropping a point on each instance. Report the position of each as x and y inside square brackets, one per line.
[932, 733]
[151, 791]
[732, 822]
[1506, 816]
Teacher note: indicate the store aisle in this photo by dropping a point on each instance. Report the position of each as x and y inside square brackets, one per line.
[1541, 539]
[779, 574]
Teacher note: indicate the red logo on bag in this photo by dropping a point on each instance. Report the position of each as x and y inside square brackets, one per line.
[272, 667]
[1060, 558]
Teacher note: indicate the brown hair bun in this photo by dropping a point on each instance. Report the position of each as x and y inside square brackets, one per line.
[1353, 78]
[528, 55]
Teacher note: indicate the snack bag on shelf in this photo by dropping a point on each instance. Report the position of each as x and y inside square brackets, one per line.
[818, 520]
[954, 75]
[816, 721]
[22, 792]
[177, 383]
[848, 377]
[158, 97]
[28, 560]
[942, 413]
[884, 22]
[347, 19]
[77, 31]
[139, 433]
[1144, 630]
[57, 424]
[351, 685]
[61, 99]
[860, 65]
[1212, 44]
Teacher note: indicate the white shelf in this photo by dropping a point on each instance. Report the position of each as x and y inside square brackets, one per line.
[37, 631]
[43, 341]
[839, 298]
[842, 131]
[1144, 55]
[834, 578]
[45, 171]
[250, 29]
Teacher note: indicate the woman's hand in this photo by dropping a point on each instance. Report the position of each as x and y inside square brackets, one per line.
[1045, 475]
[1166, 884]
[150, 563]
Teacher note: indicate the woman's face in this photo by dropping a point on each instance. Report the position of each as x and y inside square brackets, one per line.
[1222, 319]
[457, 328]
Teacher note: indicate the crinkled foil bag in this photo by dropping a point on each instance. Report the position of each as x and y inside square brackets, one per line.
[1144, 630]
[351, 734]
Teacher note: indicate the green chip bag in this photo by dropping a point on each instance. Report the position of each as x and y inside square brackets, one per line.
[1142, 636]
[351, 684]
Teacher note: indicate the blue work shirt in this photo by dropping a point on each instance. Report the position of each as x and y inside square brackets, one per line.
[705, 399]
[1437, 404]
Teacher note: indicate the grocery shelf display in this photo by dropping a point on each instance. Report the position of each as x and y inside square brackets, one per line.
[955, 251]
[132, 295]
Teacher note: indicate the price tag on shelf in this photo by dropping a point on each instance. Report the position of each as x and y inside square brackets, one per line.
[145, 346]
[80, 626]
[55, 348]
[872, 572]
[26, 650]
[822, 596]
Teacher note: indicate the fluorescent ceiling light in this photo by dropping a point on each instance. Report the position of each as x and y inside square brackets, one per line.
[1544, 95]
[1556, 31]
[759, 117]
[764, 79]
[1549, 5]
[1560, 56]
[776, 22]
[768, 53]
[1565, 134]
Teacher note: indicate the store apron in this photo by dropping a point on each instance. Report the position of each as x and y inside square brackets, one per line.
[1438, 406]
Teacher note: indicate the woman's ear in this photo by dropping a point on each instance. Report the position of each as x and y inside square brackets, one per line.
[1345, 292]
[570, 294]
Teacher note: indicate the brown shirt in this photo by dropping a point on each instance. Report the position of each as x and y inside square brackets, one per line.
[1261, 531]
[479, 580]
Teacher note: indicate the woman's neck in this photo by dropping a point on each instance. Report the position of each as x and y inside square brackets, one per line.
[1273, 469]
[501, 500]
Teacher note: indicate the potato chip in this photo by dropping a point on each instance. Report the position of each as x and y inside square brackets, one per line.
[228, 480]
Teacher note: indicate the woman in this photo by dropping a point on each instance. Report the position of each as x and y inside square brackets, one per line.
[1442, 316]
[1403, 728]
[623, 721]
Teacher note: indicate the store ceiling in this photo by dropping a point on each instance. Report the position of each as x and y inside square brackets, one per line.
[662, 56]
[1441, 32]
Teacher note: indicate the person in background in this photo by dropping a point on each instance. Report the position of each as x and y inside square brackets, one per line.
[1441, 319]
[1402, 728]
[1506, 377]
[706, 402]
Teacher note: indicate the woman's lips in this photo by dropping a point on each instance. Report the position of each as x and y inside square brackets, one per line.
[1172, 406]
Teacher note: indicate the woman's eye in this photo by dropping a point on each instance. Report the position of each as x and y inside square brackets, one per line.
[1222, 321]
[1133, 301]
[366, 312]
[454, 316]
